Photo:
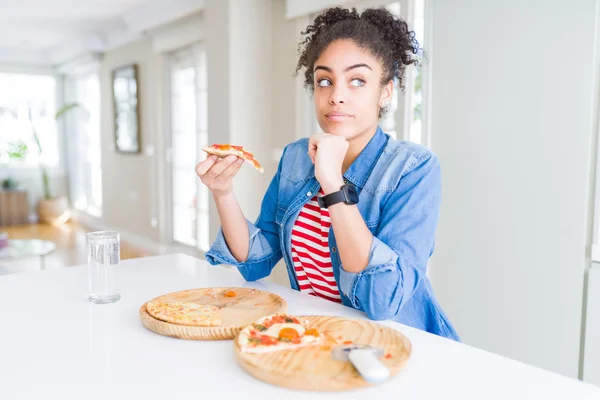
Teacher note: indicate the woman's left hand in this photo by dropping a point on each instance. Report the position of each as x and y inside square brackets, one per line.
[327, 152]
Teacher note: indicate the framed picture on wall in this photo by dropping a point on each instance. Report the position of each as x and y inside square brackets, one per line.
[126, 109]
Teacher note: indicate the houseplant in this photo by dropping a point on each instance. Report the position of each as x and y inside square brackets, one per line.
[16, 151]
[50, 209]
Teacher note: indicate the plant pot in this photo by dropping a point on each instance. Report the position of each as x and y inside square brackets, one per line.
[54, 211]
[10, 184]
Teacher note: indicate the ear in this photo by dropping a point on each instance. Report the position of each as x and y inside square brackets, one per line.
[387, 92]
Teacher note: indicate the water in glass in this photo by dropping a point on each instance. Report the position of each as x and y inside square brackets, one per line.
[103, 264]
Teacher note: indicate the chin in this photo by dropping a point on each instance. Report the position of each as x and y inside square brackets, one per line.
[346, 130]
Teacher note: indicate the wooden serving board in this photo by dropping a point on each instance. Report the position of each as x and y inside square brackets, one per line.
[236, 312]
[313, 368]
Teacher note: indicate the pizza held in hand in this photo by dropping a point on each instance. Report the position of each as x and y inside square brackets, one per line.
[223, 150]
[277, 332]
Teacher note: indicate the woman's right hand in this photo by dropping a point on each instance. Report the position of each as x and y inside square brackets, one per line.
[217, 173]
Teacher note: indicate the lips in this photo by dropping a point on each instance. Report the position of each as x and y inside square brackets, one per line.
[338, 116]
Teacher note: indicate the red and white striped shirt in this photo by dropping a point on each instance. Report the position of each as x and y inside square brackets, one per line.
[310, 252]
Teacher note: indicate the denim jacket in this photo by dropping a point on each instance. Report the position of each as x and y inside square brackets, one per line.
[399, 199]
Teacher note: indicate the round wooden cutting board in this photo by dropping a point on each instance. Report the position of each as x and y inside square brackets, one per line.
[313, 368]
[247, 306]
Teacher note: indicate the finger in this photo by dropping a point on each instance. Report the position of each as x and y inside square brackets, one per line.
[314, 140]
[232, 169]
[312, 154]
[313, 144]
[203, 167]
[221, 166]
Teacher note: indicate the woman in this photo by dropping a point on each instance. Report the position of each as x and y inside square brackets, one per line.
[352, 211]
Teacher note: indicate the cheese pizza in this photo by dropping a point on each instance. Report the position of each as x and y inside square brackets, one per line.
[184, 313]
[275, 333]
[223, 150]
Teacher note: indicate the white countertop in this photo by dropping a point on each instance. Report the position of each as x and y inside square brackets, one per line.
[54, 344]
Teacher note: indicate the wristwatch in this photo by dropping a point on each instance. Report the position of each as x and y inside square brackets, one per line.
[346, 194]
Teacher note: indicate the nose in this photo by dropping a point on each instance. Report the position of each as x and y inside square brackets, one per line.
[337, 96]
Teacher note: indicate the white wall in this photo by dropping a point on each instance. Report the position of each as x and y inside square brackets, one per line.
[591, 370]
[129, 181]
[512, 125]
[238, 46]
[297, 8]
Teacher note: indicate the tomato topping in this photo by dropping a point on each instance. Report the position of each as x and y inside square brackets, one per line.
[230, 293]
[267, 340]
[280, 319]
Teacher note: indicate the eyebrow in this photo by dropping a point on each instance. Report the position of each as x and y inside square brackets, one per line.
[346, 70]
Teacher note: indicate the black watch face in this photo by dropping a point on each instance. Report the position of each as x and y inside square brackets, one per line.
[351, 194]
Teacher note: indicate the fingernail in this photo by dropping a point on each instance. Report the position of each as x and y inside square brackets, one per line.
[214, 158]
[240, 161]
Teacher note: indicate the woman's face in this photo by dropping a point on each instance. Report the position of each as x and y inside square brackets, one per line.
[348, 91]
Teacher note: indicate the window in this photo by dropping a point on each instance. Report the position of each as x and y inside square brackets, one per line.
[416, 105]
[404, 117]
[28, 101]
[189, 134]
[82, 130]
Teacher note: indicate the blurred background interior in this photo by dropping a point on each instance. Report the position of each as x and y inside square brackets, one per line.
[104, 106]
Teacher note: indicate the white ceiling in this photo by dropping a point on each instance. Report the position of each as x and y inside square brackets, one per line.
[48, 32]
[42, 24]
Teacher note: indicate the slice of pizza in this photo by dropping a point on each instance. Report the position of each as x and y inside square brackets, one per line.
[275, 333]
[223, 150]
[184, 313]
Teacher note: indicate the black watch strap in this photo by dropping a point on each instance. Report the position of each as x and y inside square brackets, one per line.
[331, 199]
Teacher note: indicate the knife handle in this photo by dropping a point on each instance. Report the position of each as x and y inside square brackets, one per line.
[368, 365]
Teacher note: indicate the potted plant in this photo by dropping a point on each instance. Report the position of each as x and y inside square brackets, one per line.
[50, 209]
[16, 151]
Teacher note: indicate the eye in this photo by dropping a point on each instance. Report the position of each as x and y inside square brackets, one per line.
[357, 82]
[323, 82]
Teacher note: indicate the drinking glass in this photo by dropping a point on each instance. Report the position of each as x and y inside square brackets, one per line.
[103, 264]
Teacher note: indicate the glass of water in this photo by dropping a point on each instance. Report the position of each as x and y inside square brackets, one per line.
[103, 262]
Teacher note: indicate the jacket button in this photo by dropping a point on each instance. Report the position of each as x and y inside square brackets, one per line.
[333, 249]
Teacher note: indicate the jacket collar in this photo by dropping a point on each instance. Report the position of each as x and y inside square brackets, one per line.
[361, 168]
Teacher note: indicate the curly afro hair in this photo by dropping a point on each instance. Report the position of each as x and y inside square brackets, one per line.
[377, 30]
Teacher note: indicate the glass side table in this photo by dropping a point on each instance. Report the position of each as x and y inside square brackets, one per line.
[24, 248]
